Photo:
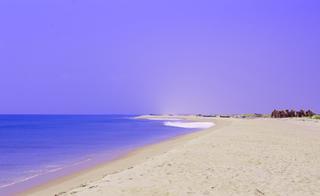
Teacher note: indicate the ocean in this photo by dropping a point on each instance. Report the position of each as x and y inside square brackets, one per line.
[35, 148]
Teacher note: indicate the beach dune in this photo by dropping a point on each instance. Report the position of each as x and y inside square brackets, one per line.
[235, 157]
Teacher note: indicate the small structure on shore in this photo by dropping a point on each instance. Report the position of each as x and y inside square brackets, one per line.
[206, 115]
[224, 116]
[291, 113]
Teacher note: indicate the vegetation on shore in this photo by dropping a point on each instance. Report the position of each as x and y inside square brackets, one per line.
[316, 117]
[291, 113]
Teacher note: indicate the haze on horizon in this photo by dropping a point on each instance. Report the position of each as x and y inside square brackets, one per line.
[178, 56]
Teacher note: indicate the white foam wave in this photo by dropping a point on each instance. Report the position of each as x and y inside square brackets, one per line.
[199, 125]
[168, 119]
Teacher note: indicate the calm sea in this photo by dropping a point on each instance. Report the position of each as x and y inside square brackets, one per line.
[35, 146]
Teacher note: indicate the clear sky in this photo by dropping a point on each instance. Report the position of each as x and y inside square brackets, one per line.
[167, 56]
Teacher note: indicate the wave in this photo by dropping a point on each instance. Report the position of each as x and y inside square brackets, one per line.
[55, 168]
[162, 119]
[190, 125]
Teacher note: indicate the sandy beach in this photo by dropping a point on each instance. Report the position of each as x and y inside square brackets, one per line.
[260, 156]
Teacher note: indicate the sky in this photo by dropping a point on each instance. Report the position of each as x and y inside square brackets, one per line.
[168, 56]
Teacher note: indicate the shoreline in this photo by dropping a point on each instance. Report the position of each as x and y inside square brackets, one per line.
[97, 171]
[256, 156]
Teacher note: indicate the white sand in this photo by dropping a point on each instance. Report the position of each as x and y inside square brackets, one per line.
[235, 157]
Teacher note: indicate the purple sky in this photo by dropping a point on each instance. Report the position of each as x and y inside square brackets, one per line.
[178, 56]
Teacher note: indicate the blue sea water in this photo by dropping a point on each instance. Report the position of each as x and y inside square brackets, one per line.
[36, 145]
